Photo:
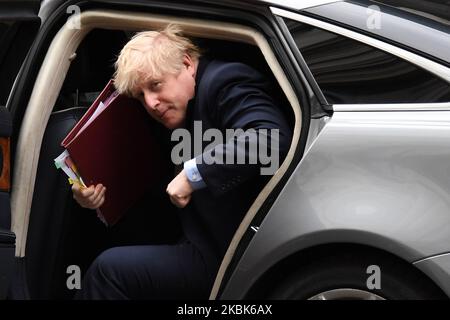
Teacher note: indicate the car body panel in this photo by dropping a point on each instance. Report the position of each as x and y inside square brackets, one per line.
[374, 178]
[438, 269]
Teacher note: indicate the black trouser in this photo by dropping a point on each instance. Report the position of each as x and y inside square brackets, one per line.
[148, 272]
[147, 261]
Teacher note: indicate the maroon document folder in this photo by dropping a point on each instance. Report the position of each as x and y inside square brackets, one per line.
[118, 149]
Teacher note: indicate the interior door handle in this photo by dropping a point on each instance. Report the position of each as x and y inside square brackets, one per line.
[5, 184]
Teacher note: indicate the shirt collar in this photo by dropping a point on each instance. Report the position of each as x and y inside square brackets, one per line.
[201, 67]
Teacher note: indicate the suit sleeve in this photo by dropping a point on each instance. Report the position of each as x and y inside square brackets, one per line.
[239, 98]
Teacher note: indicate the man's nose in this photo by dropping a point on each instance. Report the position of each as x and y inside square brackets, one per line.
[151, 100]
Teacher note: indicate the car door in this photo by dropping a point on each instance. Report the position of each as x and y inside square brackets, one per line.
[19, 23]
[375, 165]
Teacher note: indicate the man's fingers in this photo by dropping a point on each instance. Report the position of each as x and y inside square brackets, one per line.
[87, 192]
[184, 201]
[91, 198]
[99, 187]
[98, 205]
[177, 199]
[99, 201]
[180, 201]
[77, 190]
[98, 195]
[100, 198]
[78, 193]
[91, 193]
[75, 187]
[174, 202]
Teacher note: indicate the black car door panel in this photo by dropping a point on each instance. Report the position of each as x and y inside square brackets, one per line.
[7, 238]
[19, 23]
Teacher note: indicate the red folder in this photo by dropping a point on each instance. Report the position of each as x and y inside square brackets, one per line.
[118, 149]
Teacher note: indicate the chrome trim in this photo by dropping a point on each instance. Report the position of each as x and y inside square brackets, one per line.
[315, 127]
[299, 5]
[445, 106]
[432, 258]
[346, 294]
[433, 67]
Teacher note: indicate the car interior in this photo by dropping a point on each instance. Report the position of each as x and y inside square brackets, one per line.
[55, 231]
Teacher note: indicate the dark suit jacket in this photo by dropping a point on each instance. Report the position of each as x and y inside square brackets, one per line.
[228, 96]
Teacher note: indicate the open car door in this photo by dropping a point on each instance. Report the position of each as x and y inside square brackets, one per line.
[19, 23]
[7, 238]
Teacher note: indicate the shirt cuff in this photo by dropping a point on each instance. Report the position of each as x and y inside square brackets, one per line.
[193, 175]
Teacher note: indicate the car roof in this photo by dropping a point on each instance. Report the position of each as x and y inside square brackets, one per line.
[298, 5]
[422, 28]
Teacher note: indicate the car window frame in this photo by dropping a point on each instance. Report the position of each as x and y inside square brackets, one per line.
[433, 67]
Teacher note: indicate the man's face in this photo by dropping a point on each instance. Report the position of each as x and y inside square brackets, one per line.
[166, 99]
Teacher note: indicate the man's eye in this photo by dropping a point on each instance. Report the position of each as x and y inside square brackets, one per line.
[155, 85]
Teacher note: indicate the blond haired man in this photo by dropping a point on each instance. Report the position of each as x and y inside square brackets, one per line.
[178, 88]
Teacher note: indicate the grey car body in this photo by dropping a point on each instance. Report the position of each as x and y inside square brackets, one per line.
[365, 185]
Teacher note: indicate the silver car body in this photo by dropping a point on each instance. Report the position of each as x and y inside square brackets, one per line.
[379, 179]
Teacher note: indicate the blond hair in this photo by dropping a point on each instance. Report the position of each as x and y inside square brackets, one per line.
[151, 54]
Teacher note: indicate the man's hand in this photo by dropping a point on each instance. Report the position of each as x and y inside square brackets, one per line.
[180, 190]
[91, 198]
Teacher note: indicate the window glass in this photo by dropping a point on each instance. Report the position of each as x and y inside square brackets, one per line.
[15, 41]
[350, 72]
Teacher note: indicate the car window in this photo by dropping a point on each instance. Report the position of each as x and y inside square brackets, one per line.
[427, 33]
[350, 72]
[16, 38]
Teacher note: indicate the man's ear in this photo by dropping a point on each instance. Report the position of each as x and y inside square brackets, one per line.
[188, 62]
